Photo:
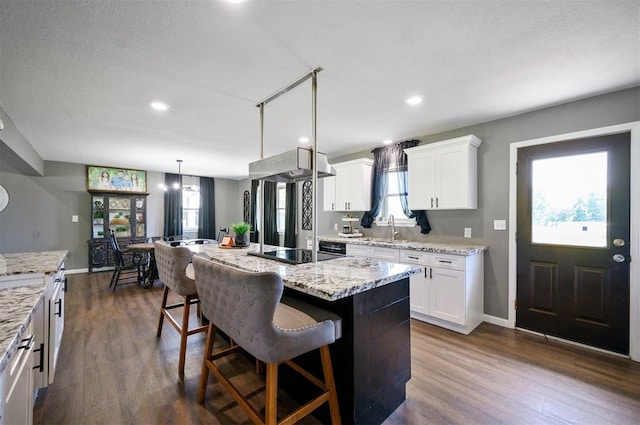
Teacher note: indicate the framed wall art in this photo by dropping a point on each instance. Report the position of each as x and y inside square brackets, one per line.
[109, 179]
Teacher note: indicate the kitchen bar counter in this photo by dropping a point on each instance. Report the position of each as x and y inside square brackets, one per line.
[18, 303]
[442, 247]
[329, 280]
[372, 359]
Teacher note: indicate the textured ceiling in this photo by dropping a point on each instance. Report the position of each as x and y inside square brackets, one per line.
[76, 77]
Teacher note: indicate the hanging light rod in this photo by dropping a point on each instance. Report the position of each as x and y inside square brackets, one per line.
[291, 86]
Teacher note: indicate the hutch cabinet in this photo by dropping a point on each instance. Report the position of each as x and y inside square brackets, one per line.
[126, 215]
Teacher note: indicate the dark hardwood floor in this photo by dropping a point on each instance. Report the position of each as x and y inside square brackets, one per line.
[113, 370]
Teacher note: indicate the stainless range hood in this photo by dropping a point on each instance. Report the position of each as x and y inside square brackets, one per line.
[291, 166]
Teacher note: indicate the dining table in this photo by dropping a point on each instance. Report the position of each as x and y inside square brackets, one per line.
[146, 277]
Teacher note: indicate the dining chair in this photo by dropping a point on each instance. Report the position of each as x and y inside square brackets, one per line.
[248, 307]
[127, 266]
[172, 263]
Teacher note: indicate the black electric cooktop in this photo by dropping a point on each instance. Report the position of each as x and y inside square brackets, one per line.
[294, 256]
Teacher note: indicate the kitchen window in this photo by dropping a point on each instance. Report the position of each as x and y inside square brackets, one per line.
[391, 204]
[281, 199]
[190, 205]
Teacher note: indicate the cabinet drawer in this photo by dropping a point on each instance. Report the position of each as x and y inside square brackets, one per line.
[357, 250]
[446, 261]
[385, 254]
[414, 257]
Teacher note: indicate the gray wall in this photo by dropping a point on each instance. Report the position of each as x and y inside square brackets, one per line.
[493, 181]
[38, 217]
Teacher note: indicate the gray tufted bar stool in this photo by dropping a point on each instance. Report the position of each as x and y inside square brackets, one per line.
[172, 263]
[247, 307]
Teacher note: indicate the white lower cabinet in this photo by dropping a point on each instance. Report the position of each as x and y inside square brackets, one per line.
[449, 291]
[379, 253]
[18, 383]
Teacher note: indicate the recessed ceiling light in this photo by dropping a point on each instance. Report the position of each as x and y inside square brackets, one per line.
[387, 142]
[414, 100]
[303, 140]
[159, 105]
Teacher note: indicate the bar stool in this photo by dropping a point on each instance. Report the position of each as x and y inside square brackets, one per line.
[246, 306]
[172, 263]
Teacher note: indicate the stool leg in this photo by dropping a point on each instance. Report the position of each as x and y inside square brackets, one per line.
[162, 310]
[327, 369]
[204, 375]
[271, 396]
[184, 333]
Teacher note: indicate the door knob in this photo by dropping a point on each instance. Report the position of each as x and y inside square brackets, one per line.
[618, 258]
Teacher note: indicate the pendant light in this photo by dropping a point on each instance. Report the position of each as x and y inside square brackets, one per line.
[178, 184]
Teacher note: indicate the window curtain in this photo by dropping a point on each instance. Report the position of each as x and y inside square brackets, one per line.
[379, 183]
[172, 206]
[290, 216]
[207, 213]
[270, 214]
[384, 159]
[254, 235]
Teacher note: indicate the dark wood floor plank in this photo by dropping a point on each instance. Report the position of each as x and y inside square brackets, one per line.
[114, 370]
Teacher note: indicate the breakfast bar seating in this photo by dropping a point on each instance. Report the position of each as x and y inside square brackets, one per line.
[247, 307]
[172, 263]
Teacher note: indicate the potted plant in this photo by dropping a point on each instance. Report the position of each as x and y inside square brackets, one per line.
[98, 217]
[241, 229]
[122, 231]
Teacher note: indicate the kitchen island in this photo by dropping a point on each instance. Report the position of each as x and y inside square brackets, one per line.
[372, 360]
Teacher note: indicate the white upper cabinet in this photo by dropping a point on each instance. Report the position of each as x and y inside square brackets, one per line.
[350, 189]
[443, 175]
[329, 195]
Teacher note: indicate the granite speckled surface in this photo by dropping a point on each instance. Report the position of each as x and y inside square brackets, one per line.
[456, 248]
[329, 280]
[17, 304]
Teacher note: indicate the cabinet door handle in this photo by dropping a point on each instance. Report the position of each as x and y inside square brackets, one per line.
[413, 258]
[40, 367]
[444, 261]
[425, 272]
[431, 202]
[64, 289]
[437, 206]
[59, 303]
[333, 206]
[430, 273]
[27, 343]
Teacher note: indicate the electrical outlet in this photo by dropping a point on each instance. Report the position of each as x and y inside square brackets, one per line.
[74, 218]
[335, 226]
[467, 232]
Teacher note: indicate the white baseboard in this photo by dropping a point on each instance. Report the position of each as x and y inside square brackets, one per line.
[496, 321]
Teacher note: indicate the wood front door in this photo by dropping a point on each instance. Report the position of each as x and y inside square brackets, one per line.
[573, 240]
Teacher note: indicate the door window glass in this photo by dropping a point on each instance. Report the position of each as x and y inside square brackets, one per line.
[568, 200]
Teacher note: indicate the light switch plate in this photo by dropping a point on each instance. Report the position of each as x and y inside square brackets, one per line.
[74, 218]
[499, 224]
[467, 232]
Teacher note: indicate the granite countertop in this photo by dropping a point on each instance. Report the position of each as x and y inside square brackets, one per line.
[440, 247]
[31, 262]
[17, 304]
[330, 280]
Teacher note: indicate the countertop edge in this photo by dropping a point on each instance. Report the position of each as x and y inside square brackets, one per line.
[453, 248]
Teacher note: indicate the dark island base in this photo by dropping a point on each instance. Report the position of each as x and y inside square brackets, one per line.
[372, 360]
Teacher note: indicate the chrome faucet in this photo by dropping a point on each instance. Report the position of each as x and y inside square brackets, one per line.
[392, 223]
